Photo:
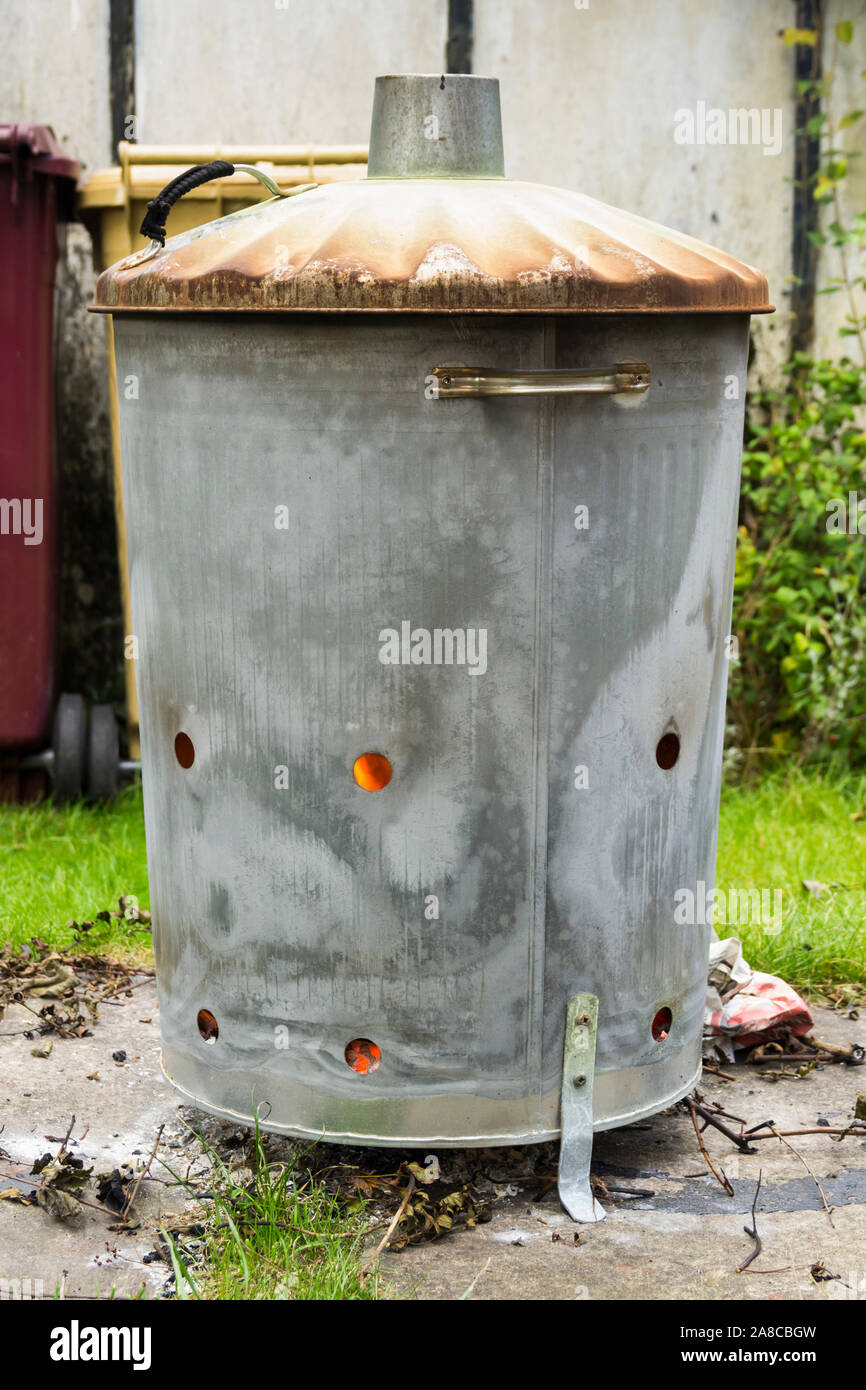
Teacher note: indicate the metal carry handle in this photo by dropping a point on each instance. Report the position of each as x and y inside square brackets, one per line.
[159, 207]
[452, 382]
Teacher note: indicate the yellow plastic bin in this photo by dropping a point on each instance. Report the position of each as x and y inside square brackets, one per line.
[113, 203]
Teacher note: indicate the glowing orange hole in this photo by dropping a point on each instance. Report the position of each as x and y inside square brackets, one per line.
[362, 1055]
[372, 772]
[184, 750]
[662, 1024]
[208, 1026]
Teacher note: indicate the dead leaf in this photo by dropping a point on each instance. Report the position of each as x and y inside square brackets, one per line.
[58, 1203]
[60, 1179]
[112, 1189]
[430, 1215]
[15, 1194]
[428, 1174]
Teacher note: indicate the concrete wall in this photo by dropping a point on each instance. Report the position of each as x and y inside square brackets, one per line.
[590, 92]
[55, 72]
[260, 72]
[589, 98]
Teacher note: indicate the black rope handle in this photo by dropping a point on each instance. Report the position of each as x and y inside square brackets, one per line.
[159, 207]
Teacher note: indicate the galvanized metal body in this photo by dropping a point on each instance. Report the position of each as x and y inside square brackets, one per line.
[450, 916]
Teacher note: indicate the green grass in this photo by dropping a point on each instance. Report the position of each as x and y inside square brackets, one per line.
[272, 1237]
[778, 832]
[67, 863]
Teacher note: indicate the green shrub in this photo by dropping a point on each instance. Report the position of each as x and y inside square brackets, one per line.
[799, 683]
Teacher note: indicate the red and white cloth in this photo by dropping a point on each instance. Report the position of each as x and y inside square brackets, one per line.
[746, 1007]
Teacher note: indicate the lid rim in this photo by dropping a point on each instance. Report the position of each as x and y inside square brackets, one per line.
[567, 311]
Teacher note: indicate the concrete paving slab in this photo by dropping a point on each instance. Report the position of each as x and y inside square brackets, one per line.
[687, 1241]
[116, 1119]
[681, 1238]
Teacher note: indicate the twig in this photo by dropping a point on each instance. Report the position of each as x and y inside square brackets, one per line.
[717, 1109]
[121, 984]
[714, 1071]
[752, 1230]
[43, 1018]
[467, 1292]
[66, 1137]
[703, 1148]
[133, 1193]
[827, 1207]
[754, 1129]
[853, 1056]
[712, 1118]
[394, 1223]
[856, 1128]
[753, 1061]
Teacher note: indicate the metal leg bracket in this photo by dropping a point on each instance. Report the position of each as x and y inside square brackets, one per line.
[578, 1074]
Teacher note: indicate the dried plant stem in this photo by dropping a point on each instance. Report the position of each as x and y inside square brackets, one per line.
[703, 1148]
[392, 1227]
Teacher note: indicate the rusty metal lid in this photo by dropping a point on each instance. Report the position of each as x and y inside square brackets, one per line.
[435, 227]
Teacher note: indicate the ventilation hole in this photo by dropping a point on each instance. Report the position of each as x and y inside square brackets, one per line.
[184, 750]
[667, 751]
[372, 772]
[662, 1024]
[362, 1055]
[208, 1026]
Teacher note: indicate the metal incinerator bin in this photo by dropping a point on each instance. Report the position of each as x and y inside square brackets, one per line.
[431, 484]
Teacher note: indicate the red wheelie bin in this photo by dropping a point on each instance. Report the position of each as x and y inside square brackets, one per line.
[37, 183]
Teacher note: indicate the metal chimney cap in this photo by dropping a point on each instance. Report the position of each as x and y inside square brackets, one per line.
[436, 126]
